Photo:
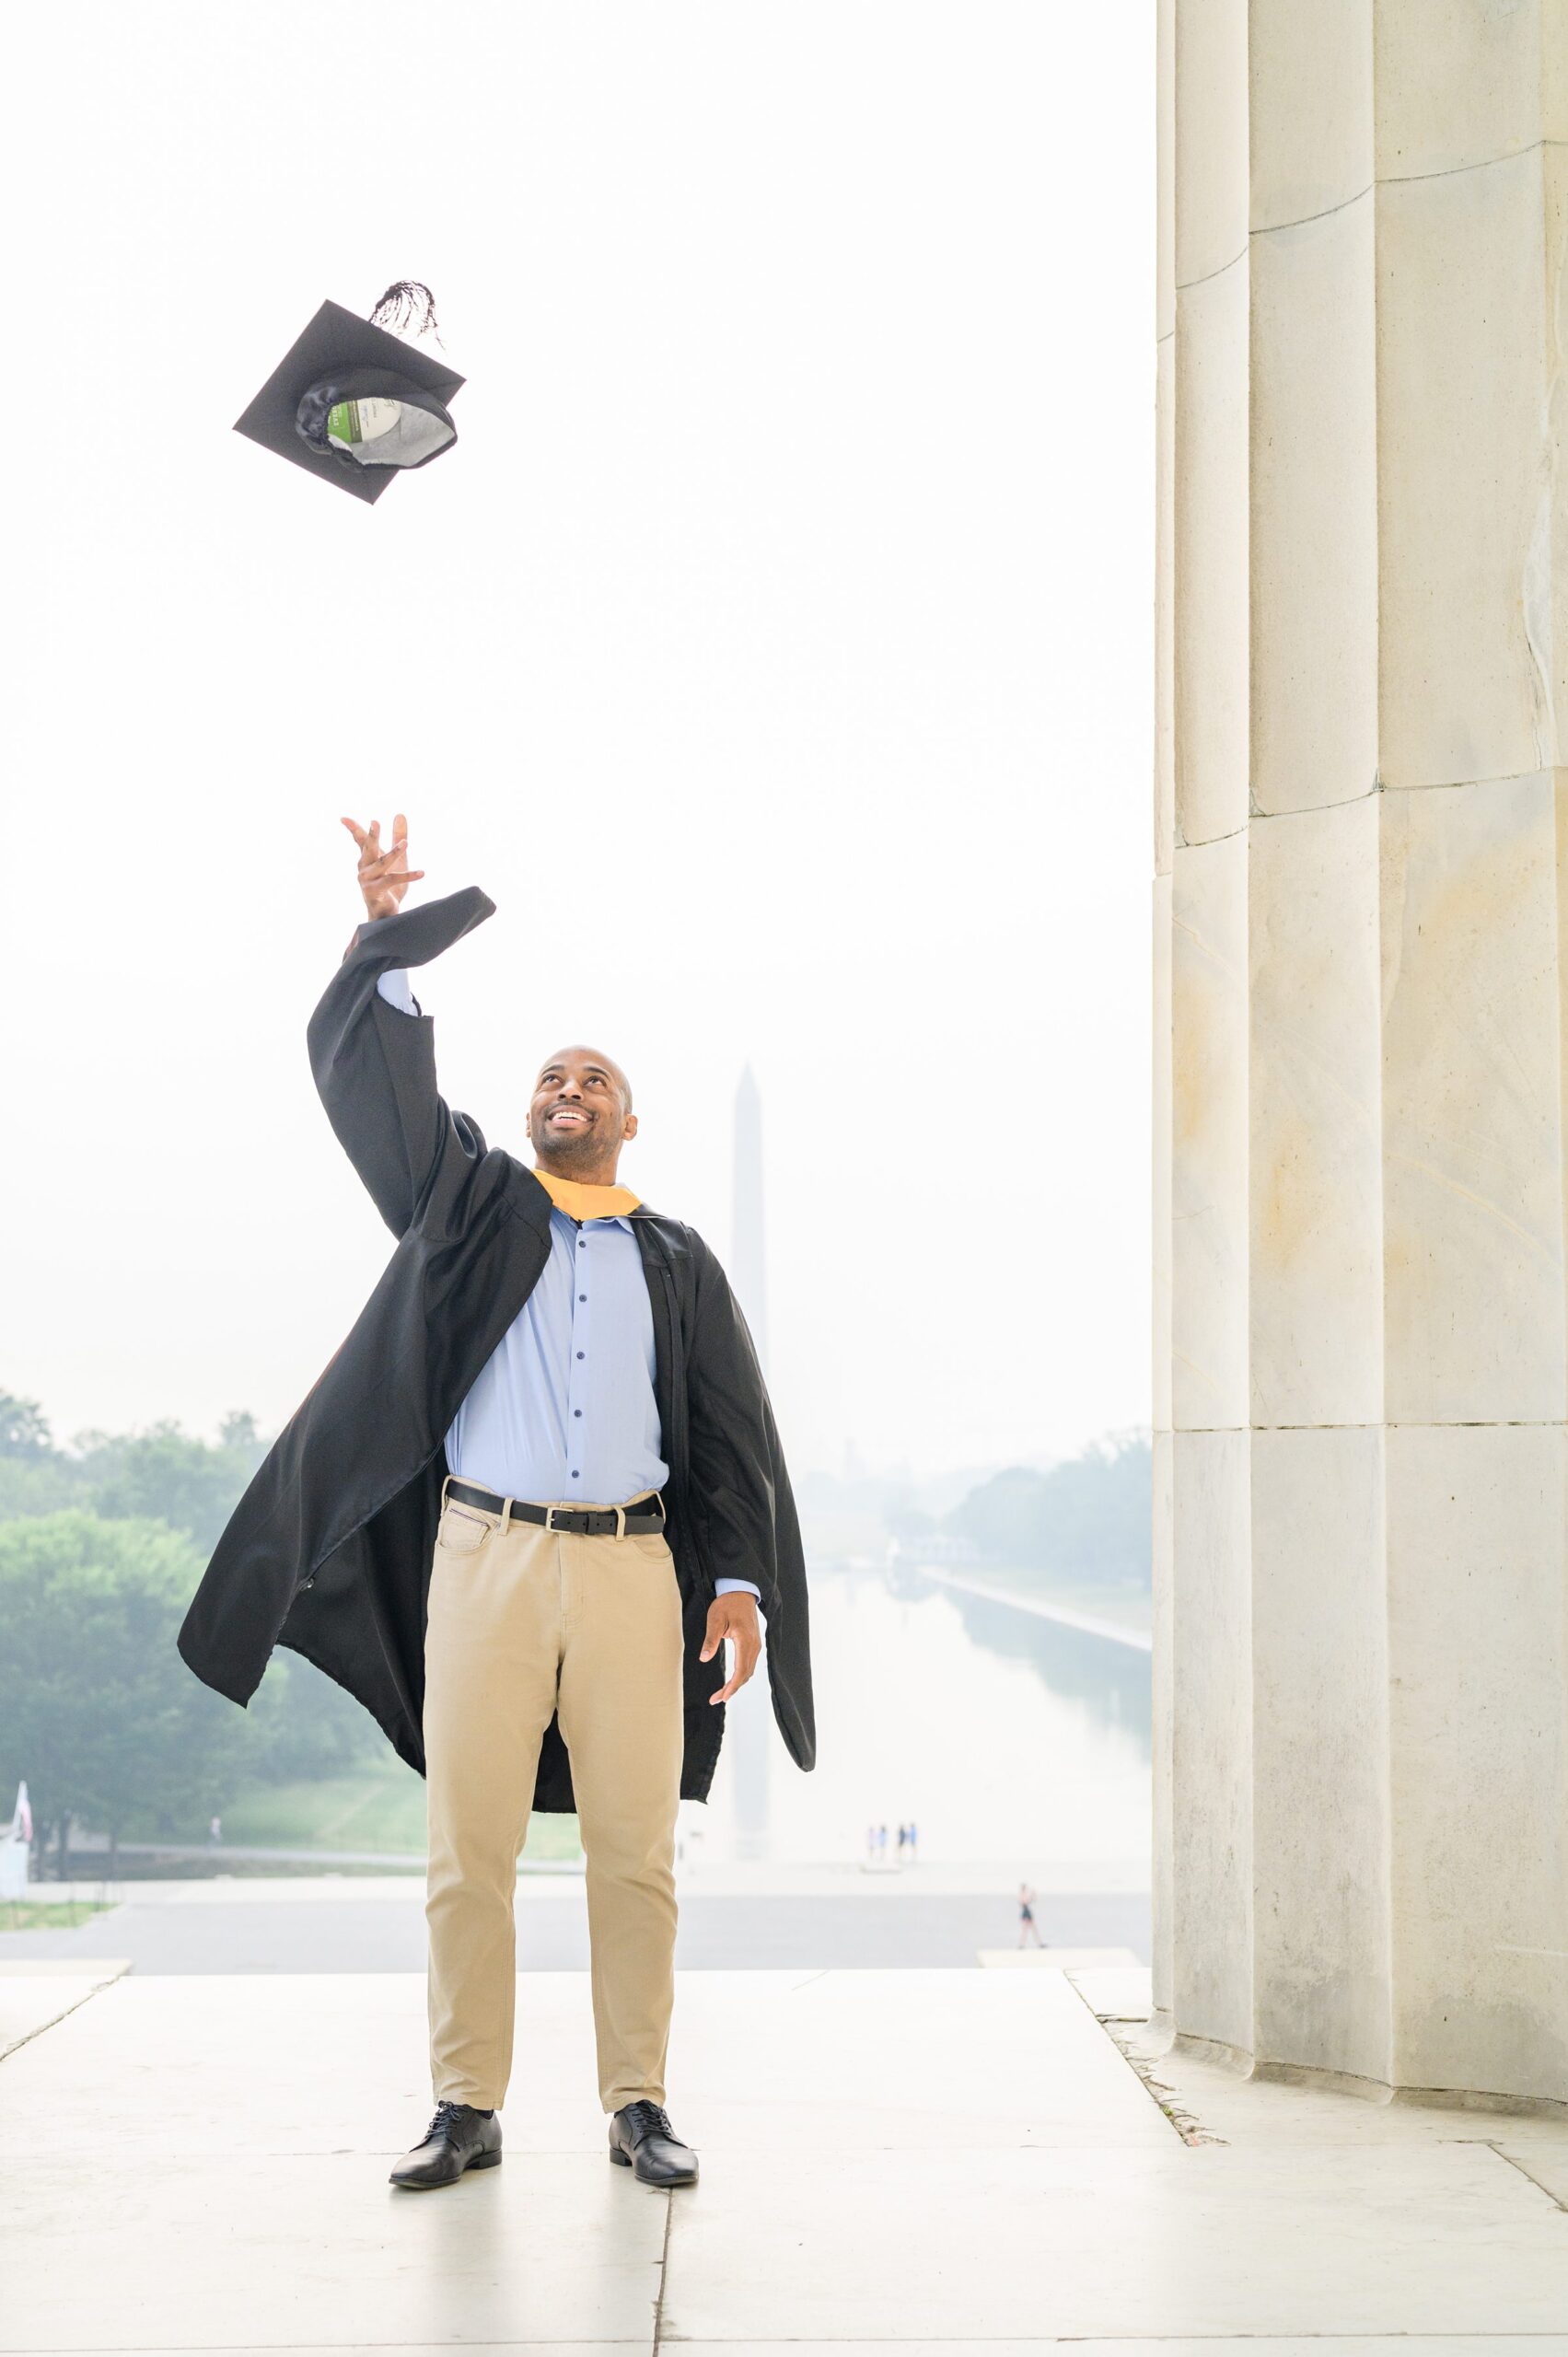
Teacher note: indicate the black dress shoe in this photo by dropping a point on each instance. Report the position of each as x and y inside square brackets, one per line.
[458, 2138]
[642, 2138]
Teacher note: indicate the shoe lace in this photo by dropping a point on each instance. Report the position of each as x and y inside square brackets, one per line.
[649, 2119]
[445, 2124]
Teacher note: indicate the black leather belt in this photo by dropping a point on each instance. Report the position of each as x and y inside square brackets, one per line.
[586, 1522]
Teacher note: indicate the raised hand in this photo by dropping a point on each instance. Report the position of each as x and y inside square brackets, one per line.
[384, 876]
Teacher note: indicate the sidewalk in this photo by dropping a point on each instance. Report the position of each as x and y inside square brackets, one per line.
[729, 1921]
[697, 1877]
[926, 2164]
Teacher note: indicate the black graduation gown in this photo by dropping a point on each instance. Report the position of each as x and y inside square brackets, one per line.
[329, 1550]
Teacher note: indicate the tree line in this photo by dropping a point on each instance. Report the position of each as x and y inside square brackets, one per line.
[1086, 1520]
[101, 1545]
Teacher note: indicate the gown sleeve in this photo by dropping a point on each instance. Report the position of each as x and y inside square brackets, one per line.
[735, 1449]
[374, 1066]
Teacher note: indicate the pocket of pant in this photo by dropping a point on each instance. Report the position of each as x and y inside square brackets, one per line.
[460, 1533]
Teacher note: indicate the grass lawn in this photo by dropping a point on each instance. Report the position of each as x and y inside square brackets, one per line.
[382, 1807]
[47, 1914]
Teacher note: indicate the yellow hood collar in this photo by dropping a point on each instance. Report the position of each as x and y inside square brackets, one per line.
[579, 1201]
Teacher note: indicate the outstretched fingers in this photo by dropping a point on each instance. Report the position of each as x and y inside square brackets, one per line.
[376, 864]
[368, 838]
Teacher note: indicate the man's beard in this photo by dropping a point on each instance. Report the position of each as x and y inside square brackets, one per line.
[569, 1145]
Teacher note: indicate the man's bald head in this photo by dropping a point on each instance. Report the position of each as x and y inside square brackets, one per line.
[587, 1059]
[581, 1115]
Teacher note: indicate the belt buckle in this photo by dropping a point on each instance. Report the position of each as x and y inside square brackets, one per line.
[550, 1517]
[621, 1522]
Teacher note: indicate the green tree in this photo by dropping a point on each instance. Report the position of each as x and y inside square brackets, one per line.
[190, 1484]
[187, 1483]
[35, 1476]
[96, 1709]
[1088, 1518]
[23, 1430]
[300, 1725]
[38, 1484]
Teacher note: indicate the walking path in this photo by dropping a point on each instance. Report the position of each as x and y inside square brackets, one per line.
[911, 2164]
[740, 1879]
[1120, 1632]
[730, 1920]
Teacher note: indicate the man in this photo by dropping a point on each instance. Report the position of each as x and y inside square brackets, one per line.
[529, 1499]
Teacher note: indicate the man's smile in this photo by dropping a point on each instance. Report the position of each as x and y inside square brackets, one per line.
[572, 1113]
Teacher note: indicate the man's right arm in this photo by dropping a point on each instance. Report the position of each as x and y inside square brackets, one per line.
[373, 1053]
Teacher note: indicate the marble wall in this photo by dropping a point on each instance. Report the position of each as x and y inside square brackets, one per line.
[1361, 1321]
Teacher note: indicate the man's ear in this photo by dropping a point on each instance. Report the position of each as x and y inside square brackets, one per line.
[630, 1130]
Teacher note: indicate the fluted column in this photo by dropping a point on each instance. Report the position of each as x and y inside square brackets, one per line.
[1361, 1344]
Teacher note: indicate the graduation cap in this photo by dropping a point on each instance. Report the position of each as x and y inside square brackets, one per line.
[353, 403]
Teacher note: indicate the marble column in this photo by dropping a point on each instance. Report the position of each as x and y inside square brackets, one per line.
[1361, 1339]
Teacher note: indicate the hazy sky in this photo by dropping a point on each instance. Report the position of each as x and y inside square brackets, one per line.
[774, 648]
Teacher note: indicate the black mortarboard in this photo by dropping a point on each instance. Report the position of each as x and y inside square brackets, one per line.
[354, 404]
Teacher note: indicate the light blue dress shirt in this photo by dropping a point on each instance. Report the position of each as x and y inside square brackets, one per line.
[564, 1411]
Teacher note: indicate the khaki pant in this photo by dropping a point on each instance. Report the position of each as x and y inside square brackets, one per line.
[523, 1623]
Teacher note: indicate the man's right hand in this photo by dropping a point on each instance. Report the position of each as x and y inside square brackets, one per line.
[384, 876]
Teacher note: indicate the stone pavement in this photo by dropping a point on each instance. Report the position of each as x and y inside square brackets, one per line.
[933, 2162]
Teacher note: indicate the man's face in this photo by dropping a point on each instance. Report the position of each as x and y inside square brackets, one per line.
[580, 1108]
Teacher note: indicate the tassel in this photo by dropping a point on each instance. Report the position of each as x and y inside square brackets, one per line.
[406, 302]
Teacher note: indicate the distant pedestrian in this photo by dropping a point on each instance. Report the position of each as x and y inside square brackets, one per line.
[913, 1840]
[871, 1845]
[1028, 1930]
[882, 1844]
[215, 1830]
[903, 1836]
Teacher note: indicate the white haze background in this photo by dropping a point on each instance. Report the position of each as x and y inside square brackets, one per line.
[775, 648]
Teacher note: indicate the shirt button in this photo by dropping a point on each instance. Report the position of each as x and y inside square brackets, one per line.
[582, 1296]
[582, 1245]
[577, 1477]
[582, 1354]
[576, 1411]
